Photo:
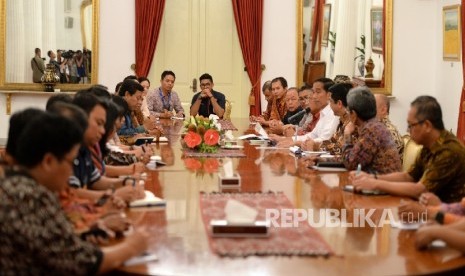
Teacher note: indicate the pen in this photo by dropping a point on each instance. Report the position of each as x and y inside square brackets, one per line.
[359, 169]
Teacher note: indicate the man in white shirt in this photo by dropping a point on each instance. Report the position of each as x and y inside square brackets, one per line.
[326, 125]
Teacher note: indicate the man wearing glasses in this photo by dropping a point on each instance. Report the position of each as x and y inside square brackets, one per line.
[439, 167]
[207, 101]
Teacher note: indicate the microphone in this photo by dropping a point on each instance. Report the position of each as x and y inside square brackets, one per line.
[298, 114]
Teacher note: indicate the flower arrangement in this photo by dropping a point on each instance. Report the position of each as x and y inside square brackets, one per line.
[202, 133]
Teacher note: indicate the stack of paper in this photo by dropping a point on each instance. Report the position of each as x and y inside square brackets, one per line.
[150, 200]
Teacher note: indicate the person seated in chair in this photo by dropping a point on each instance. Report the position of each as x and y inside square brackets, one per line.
[276, 108]
[131, 92]
[208, 101]
[38, 238]
[293, 108]
[327, 121]
[309, 119]
[382, 113]
[437, 169]
[164, 102]
[374, 150]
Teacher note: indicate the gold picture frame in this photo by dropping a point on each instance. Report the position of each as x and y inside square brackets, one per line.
[451, 45]
[376, 19]
[326, 24]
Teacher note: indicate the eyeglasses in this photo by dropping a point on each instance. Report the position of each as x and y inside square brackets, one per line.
[409, 126]
[205, 84]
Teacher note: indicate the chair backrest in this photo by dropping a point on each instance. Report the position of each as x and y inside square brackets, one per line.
[227, 111]
[411, 151]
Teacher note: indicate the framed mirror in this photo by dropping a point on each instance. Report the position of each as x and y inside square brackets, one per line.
[364, 12]
[66, 26]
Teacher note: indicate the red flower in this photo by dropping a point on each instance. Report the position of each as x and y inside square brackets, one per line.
[211, 165]
[192, 139]
[211, 137]
[192, 164]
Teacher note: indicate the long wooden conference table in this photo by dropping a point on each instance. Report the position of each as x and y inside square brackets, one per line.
[180, 240]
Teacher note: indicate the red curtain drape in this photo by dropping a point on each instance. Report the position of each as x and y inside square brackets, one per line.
[461, 120]
[248, 15]
[149, 14]
[317, 29]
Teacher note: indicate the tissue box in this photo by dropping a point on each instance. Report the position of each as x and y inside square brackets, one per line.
[229, 182]
[259, 142]
[225, 229]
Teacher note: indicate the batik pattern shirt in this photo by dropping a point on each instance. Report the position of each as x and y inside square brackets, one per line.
[374, 150]
[441, 169]
[308, 123]
[334, 144]
[395, 135]
[276, 109]
[157, 102]
[35, 236]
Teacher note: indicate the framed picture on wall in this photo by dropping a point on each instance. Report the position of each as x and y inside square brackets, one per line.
[377, 30]
[451, 33]
[326, 24]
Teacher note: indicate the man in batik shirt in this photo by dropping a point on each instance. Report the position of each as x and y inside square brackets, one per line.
[439, 167]
[276, 108]
[382, 113]
[338, 103]
[374, 150]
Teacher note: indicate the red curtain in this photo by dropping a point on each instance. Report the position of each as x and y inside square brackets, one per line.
[317, 29]
[461, 120]
[248, 15]
[149, 14]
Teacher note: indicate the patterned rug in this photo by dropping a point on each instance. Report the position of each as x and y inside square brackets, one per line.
[221, 153]
[227, 125]
[302, 240]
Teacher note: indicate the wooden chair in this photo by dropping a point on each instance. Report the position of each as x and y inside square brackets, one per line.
[227, 111]
[411, 151]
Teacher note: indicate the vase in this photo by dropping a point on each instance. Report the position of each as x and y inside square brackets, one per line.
[361, 66]
[369, 66]
[50, 78]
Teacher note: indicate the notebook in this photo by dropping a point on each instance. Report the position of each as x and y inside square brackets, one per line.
[150, 200]
[329, 167]
[162, 139]
[143, 140]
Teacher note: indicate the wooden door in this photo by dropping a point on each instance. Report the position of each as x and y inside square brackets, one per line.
[196, 37]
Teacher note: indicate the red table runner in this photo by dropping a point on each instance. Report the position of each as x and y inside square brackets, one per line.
[226, 125]
[286, 241]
